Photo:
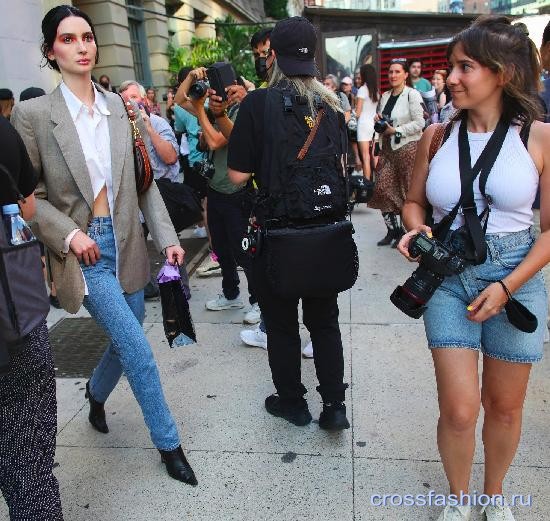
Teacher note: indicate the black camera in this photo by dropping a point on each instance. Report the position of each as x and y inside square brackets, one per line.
[437, 261]
[205, 168]
[252, 241]
[382, 124]
[199, 89]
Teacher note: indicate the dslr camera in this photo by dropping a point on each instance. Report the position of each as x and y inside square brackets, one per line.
[220, 76]
[437, 261]
[382, 124]
[205, 168]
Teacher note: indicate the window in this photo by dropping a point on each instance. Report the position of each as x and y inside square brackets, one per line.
[138, 42]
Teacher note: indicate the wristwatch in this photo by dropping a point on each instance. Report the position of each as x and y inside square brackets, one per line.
[398, 135]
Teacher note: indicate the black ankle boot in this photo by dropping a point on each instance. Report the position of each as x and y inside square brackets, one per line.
[294, 411]
[97, 412]
[177, 466]
[333, 417]
[386, 240]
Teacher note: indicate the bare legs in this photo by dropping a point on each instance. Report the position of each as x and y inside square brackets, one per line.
[364, 153]
[503, 392]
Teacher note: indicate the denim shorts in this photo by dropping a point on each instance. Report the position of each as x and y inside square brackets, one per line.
[446, 321]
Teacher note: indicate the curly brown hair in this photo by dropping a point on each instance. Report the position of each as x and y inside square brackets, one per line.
[507, 49]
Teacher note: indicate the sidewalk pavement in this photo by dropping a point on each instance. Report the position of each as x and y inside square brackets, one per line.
[251, 466]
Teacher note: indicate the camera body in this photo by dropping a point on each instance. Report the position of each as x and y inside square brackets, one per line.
[205, 168]
[252, 241]
[382, 124]
[220, 76]
[437, 261]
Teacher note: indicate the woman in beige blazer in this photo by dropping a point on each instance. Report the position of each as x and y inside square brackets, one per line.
[401, 106]
[87, 214]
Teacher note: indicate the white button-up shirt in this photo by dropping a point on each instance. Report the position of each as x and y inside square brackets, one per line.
[92, 127]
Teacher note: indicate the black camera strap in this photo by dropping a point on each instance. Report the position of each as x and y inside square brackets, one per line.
[476, 224]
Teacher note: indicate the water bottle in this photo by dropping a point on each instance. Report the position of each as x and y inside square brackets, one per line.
[17, 230]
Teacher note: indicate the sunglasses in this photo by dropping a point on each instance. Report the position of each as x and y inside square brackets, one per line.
[398, 60]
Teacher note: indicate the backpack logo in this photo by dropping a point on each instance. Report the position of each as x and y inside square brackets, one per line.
[309, 121]
[303, 50]
[323, 190]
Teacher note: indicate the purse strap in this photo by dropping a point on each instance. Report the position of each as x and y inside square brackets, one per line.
[132, 118]
[304, 150]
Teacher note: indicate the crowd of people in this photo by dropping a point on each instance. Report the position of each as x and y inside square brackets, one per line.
[71, 159]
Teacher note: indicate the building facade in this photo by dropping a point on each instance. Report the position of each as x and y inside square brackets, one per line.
[519, 7]
[133, 36]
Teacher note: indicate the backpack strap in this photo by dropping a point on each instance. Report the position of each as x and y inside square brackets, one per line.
[304, 150]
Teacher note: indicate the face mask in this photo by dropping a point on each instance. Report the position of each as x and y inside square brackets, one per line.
[261, 67]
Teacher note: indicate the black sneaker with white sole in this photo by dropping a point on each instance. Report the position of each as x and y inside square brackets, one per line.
[333, 417]
[294, 411]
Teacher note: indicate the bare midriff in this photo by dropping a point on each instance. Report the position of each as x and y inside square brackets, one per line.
[101, 204]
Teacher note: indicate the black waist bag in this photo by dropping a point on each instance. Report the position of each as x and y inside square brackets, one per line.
[316, 261]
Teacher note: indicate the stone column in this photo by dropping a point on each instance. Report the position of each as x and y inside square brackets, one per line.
[156, 28]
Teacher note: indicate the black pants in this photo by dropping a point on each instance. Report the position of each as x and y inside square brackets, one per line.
[228, 217]
[283, 340]
[28, 425]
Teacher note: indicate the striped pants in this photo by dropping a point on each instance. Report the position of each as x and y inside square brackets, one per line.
[28, 425]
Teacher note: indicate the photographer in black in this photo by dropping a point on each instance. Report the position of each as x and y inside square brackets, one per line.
[229, 205]
[297, 117]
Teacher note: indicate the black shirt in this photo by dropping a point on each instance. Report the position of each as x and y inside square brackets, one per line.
[390, 104]
[246, 142]
[14, 157]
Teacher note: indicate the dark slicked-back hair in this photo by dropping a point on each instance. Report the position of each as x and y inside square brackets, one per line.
[51, 22]
[506, 49]
[546, 34]
[260, 37]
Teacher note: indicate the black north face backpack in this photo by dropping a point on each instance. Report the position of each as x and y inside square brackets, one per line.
[307, 242]
[309, 190]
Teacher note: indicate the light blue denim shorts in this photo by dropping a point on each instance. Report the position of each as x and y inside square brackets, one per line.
[446, 322]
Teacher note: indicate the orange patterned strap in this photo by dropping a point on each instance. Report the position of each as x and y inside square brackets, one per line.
[303, 152]
[437, 138]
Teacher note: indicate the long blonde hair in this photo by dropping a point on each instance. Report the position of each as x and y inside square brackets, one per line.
[306, 86]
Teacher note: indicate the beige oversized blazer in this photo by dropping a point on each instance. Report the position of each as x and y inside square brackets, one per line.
[65, 196]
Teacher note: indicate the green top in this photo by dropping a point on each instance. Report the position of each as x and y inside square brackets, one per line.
[422, 85]
[220, 182]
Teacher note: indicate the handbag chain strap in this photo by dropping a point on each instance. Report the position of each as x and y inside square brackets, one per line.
[304, 150]
[132, 118]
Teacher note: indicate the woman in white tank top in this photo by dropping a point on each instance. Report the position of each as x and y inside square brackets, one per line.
[465, 314]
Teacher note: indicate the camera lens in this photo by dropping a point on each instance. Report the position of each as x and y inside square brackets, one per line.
[416, 291]
[198, 90]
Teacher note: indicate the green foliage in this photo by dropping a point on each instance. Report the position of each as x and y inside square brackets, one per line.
[232, 44]
[276, 9]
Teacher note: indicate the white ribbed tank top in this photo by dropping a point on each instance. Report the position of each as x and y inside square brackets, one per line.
[512, 183]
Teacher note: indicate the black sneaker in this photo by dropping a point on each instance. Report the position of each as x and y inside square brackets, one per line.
[293, 411]
[333, 417]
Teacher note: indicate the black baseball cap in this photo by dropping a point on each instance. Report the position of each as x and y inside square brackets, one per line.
[30, 93]
[294, 40]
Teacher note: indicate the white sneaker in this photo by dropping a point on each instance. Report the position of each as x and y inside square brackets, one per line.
[209, 267]
[308, 350]
[200, 232]
[220, 303]
[252, 315]
[497, 513]
[254, 337]
[458, 513]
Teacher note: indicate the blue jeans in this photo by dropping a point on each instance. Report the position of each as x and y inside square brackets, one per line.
[121, 316]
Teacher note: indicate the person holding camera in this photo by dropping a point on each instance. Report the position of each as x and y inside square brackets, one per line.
[80, 141]
[484, 268]
[28, 408]
[294, 132]
[229, 205]
[399, 121]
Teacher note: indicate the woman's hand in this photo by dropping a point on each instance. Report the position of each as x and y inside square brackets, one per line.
[390, 131]
[175, 254]
[85, 249]
[378, 117]
[216, 105]
[489, 302]
[198, 74]
[403, 246]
